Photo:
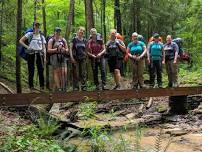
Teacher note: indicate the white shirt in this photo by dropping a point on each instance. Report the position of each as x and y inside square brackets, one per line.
[36, 42]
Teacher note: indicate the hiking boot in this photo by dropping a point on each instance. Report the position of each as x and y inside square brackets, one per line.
[142, 86]
[104, 87]
[117, 87]
[97, 87]
[135, 86]
[175, 85]
[76, 89]
[84, 88]
[31, 89]
[160, 86]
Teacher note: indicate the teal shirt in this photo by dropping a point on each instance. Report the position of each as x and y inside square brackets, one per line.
[155, 50]
[136, 48]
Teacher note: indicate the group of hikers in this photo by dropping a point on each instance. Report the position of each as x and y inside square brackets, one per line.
[114, 52]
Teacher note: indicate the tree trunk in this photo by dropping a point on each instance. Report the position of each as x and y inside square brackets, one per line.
[104, 20]
[1, 30]
[117, 16]
[69, 19]
[89, 15]
[45, 34]
[18, 36]
[35, 8]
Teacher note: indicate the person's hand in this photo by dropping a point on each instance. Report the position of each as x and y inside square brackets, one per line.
[93, 56]
[175, 61]
[29, 48]
[117, 42]
[99, 55]
[59, 47]
[134, 57]
[148, 59]
[163, 62]
[73, 60]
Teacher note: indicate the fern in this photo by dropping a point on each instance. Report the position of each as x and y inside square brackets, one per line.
[158, 141]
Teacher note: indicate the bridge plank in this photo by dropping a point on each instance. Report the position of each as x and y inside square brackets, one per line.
[78, 96]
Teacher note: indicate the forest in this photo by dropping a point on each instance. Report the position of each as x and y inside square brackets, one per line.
[123, 126]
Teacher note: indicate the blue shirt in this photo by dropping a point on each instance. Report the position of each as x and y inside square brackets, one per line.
[136, 48]
[155, 50]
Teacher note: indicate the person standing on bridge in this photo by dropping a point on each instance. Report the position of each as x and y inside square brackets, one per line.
[115, 50]
[96, 50]
[170, 54]
[58, 49]
[78, 55]
[154, 57]
[137, 51]
[36, 52]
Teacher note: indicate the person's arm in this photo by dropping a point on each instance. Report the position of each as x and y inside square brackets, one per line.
[102, 51]
[176, 53]
[148, 52]
[71, 53]
[89, 50]
[22, 41]
[50, 45]
[121, 45]
[144, 52]
[164, 54]
[65, 48]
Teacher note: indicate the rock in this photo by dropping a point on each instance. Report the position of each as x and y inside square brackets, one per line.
[169, 126]
[175, 132]
[131, 115]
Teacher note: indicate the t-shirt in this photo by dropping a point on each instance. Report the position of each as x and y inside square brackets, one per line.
[35, 41]
[79, 47]
[113, 49]
[170, 49]
[136, 48]
[95, 46]
[155, 50]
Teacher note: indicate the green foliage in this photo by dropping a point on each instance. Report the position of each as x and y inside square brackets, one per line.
[28, 138]
[88, 109]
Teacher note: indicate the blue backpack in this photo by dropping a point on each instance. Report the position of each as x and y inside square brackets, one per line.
[22, 49]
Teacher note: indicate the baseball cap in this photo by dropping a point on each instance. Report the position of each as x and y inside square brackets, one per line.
[57, 29]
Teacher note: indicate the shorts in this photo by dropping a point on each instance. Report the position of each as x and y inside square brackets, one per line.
[58, 60]
[115, 63]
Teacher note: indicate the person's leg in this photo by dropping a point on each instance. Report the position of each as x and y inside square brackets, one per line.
[94, 65]
[169, 72]
[75, 76]
[135, 74]
[83, 74]
[152, 73]
[103, 72]
[175, 74]
[56, 77]
[159, 73]
[64, 78]
[40, 68]
[30, 63]
[140, 72]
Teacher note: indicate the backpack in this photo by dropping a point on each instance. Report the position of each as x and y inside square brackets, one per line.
[178, 41]
[21, 49]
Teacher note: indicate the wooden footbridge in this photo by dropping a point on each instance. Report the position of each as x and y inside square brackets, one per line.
[79, 96]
